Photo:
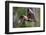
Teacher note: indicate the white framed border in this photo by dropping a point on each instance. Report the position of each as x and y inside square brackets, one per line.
[11, 29]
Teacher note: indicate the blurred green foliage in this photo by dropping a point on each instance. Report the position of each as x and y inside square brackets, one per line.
[21, 11]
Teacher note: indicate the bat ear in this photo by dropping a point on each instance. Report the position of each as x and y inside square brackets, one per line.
[21, 17]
